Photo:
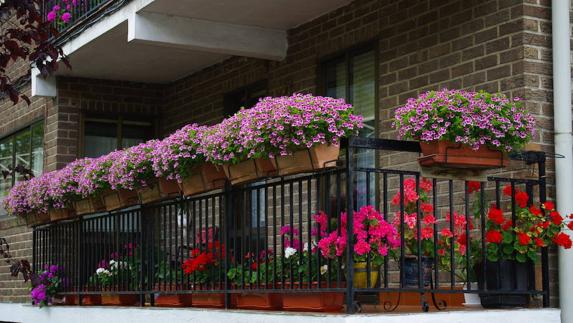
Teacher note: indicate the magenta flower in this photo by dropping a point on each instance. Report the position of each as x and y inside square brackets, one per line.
[470, 118]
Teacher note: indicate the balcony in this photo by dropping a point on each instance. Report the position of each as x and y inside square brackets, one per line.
[262, 244]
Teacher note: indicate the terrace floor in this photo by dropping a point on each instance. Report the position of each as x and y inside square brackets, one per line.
[62, 314]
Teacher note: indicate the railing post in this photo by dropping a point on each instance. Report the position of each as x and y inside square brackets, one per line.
[227, 224]
[78, 259]
[350, 307]
[544, 254]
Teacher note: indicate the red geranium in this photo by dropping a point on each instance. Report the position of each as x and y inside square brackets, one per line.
[427, 208]
[493, 236]
[473, 186]
[523, 238]
[570, 225]
[507, 225]
[556, 218]
[521, 199]
[507, 190]
[549, 206]
[539, 243]
[563, 240]
[535, 210]
[495, 215]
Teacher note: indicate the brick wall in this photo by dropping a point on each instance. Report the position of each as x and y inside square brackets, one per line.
[496, 45]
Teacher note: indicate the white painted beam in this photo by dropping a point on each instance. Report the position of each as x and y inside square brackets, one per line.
[43, 87]
[207, 36]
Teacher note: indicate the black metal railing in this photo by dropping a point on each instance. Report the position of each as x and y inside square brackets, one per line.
[81, 12]
[244, 234]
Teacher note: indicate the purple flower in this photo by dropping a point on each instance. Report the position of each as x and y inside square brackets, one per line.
[470, 118]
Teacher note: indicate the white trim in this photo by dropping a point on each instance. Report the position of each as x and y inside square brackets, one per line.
[207, 36]
[64, 314]
[562, 120]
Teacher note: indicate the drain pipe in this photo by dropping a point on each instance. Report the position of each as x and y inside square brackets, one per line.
[563, 142]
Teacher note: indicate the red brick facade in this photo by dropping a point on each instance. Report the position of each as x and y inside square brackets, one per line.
[496, 45]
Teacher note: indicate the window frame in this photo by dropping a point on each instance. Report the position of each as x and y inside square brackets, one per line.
[120, 120]
[345, 56]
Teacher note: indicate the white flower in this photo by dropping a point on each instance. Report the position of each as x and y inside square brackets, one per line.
[289, 252]
[113, 264]
[323, 269]
[102, 271]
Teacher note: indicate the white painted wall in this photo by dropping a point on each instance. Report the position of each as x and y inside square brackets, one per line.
[69, 314]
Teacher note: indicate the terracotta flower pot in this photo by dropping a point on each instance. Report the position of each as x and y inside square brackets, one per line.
[35, 219]
[210, 300]
[312, 301]
[204, 178]
[88, 205]
[242, 172]
[213, 176]
[61, 214]
[91, 300]
[266, 167]
[160, 190]
[258, 300]
[192, 185]
[114, 200]
[361, 275]
[120, 299]
[455, 155]
[307, 160]
[171, 300]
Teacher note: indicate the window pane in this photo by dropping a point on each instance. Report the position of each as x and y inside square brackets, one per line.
[363, 91]
[6, 154]
[363, 96]
[100, 138]
[336, 79]
[37, 161]
[22, 142]
[134, 135]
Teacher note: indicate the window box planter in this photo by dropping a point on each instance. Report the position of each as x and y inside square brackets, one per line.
[61, 214]
[413, 299]
[209, 300]
[114, 200]
[505, 275]
[34, 219]
[88, 206]
[326, 301]
[160, 190]
[306, 160]
[454, 155]
[250, 170]
[91, 300]
[258, 300]
[171, 300]
[120, 299]
[207, 177]
[242, 172]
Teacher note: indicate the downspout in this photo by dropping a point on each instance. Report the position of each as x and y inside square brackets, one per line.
[563, 142]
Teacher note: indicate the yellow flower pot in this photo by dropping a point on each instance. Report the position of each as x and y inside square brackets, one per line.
[361, 275]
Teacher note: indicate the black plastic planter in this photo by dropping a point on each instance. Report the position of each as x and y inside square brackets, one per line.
[411, 271]
[506, 275]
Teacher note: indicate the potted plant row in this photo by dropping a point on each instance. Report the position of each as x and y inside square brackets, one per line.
[464, 129]
[282, 135]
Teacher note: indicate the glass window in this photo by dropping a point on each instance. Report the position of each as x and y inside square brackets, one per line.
[102, 136]
[352, 76]
[24, 148]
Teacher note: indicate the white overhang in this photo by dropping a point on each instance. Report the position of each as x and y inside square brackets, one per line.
[161, 41]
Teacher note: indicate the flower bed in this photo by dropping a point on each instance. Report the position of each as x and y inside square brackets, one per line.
[244, 145]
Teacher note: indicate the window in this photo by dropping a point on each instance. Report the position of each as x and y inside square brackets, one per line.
[352, 76]
[24, 148]
[104, 135]
[249, 204]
